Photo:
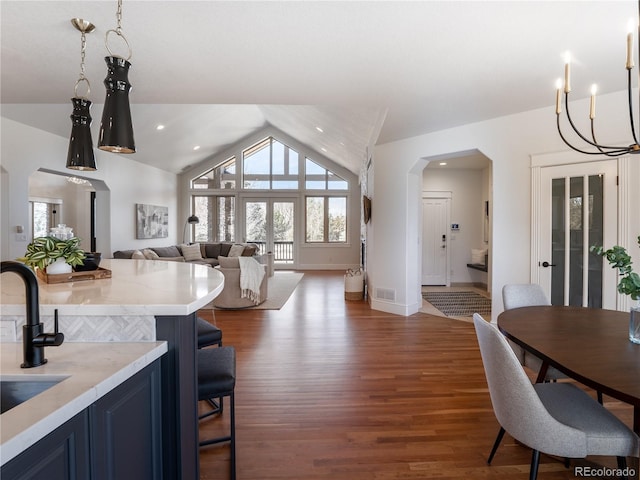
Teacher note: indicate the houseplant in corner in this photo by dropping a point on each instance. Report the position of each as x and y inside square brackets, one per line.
[45, 252]
[629, 283]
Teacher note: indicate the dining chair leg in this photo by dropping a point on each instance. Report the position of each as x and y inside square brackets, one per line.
[496, 444]
[535, 461]
[600, 398]
[622, 465]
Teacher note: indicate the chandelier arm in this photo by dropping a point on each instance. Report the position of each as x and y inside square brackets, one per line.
[608, 154]
[633, 125]
[615, 153]
[615, 148]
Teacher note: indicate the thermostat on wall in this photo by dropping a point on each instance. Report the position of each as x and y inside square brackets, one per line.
[455, 226]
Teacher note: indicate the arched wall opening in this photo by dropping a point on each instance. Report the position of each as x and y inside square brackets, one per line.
[455, 220]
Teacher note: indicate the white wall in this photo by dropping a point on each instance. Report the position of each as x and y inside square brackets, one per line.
[25, 150]
[508, 142]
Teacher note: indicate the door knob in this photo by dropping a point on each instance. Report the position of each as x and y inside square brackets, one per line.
[547, 264]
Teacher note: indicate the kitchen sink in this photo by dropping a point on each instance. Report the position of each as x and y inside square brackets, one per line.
[17, 389]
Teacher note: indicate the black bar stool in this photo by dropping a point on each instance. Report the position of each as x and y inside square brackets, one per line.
[208, 334]
[217, 379]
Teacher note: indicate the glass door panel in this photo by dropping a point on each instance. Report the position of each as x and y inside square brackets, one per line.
[271, 224]
[255, 223]
[283, 217]
[577, 202]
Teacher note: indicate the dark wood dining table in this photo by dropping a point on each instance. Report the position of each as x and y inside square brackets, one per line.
[590, 345]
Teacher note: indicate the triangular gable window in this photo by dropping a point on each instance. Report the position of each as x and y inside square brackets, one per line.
[221, 177]
[319, 178]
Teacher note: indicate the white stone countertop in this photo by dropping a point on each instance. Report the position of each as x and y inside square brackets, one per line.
[92, 370]
[136, 287]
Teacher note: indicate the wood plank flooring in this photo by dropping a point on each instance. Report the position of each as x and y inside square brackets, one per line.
[330, 389]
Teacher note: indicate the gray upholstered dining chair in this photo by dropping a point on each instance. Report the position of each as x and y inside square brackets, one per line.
[553, 418]
[528, 295]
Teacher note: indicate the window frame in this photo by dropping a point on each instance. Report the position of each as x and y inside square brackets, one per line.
[302, 154]
[326, 220]
[271, 177]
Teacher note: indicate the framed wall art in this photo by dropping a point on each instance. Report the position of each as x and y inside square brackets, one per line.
[152, 221]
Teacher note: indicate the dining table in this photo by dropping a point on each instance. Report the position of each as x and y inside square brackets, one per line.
[589, 345]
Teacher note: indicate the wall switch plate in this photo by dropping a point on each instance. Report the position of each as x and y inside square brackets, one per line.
[21, 237]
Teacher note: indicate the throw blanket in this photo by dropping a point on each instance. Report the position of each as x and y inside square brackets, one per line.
[251, 275]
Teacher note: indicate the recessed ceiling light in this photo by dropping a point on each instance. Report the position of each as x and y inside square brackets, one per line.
[160, 127]
[443, 163]
[320, 130]
[197, 147]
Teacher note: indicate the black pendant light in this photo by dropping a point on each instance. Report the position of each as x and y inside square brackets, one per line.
[80, 155]
[116, 128]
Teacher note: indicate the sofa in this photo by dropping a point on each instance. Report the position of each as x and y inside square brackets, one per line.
[221, 255]
[205, 253]
[231, 295]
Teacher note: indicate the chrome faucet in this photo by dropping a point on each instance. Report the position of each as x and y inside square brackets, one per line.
[33, 337]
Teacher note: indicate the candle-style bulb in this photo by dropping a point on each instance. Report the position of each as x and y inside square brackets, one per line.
[558, 96]
[630, 29]
[592, 106]
[567, 72]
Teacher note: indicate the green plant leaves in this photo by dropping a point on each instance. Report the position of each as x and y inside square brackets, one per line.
[44, 251]
[618, 257]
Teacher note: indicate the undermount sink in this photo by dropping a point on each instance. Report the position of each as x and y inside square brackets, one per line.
[17, 389]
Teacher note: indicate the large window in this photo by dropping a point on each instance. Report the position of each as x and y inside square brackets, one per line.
[221, 177]
[270, 166]
[326, 219]
[319, 178]
[217, 216]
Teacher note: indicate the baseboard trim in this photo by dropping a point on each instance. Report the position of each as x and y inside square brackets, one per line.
[395, 308]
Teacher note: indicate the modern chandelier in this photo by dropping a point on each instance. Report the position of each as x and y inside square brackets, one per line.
[591, 143]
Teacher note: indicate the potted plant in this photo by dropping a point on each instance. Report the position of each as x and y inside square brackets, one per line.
[629, 284]
[45, 251]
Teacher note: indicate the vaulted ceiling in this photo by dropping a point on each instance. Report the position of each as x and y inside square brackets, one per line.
[365, 72]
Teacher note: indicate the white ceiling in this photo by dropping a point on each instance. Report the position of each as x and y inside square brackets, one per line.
[364, 71]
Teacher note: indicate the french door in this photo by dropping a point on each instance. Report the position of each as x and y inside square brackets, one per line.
[578, 209]
[271, 223]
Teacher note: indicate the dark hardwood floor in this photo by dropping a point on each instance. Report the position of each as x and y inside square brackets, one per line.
[328, 388]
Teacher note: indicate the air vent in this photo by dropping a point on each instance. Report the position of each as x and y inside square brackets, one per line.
[386, 294]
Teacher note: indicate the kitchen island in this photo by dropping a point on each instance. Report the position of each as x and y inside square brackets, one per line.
[143, 301]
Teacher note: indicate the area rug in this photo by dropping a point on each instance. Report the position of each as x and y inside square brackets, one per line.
[281, 286]
[459, 304]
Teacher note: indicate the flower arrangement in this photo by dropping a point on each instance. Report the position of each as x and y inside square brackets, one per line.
[618, 257]
[43, 251]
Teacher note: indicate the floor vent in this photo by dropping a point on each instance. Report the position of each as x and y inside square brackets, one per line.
[386, 294]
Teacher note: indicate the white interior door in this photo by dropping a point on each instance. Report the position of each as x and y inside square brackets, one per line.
[435, 241]
[578, 209]
[271, 224]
